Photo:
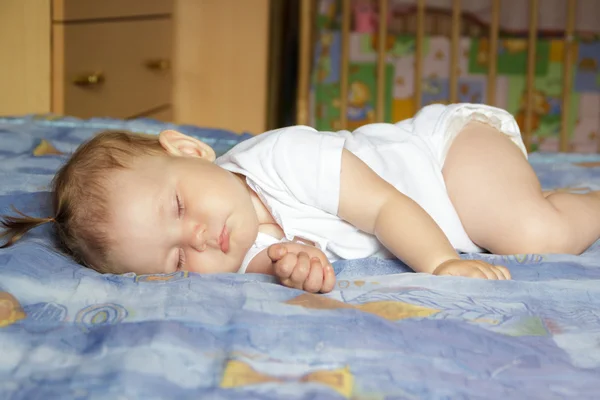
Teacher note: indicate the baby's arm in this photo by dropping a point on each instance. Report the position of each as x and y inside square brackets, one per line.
[296, 265]
[400, 224]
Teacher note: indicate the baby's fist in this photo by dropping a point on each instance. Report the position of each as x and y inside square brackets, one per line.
[302, 267]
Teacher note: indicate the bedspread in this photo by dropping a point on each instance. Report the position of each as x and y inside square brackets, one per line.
[384, 333]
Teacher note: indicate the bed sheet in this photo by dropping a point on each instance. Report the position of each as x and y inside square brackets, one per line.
[384, 333]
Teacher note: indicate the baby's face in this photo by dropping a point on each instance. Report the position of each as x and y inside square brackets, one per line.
[173, 213]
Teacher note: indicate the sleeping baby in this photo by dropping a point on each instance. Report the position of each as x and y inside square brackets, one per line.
[291, 201]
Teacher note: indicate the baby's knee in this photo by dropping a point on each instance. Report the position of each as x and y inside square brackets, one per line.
[545, 234]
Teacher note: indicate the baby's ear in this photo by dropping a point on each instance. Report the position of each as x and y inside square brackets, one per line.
[178, 144]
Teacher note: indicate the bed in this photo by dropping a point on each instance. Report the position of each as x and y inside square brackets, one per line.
[384, 332]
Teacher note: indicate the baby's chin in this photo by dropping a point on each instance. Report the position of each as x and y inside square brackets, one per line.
[234, 264]
[229, 264]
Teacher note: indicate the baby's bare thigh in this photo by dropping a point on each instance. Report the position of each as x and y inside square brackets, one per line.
[490, 183]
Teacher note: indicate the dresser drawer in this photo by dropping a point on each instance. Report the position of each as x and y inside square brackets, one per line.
[162, 114]
[72, 10]
[117, 69]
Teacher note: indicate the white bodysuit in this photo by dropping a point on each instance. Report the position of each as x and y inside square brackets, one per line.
[296, 173]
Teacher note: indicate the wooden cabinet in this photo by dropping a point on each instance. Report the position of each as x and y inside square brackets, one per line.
[86, 58]
[201, 62]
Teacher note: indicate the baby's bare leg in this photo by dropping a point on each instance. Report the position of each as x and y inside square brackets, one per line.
[501, 204]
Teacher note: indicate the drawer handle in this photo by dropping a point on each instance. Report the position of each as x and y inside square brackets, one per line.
[94, 79]
[158, 65]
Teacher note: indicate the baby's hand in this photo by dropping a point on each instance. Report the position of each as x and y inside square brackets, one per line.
[302, 267]
[472, 269]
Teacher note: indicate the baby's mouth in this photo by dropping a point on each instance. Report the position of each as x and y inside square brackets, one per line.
[224, 240]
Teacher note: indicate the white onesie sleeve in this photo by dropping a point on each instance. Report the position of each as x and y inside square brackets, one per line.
[308, 163]
[292, 164]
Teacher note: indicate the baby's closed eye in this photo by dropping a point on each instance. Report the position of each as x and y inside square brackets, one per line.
[181, 259]
[179, 204]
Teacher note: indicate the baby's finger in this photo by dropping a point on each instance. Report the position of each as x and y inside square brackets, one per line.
[481, 272]
[314, 281]
[277, 251]
[285, 267]
[499, 275]
[487, 272]
[301, 270]
[328, 279]
[503, 271]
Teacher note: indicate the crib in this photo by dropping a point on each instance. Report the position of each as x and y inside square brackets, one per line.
[526, 57]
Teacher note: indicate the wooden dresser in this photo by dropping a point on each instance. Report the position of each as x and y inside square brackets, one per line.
[86, 58]
[200, 62]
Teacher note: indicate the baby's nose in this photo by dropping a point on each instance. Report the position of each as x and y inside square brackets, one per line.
[198, 237]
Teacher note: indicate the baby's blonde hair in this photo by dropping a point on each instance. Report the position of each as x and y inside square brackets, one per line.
[79, 197]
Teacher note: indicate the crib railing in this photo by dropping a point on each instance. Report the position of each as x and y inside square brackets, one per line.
[307, 8]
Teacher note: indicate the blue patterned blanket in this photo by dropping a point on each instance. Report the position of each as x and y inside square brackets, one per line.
[385, 333]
